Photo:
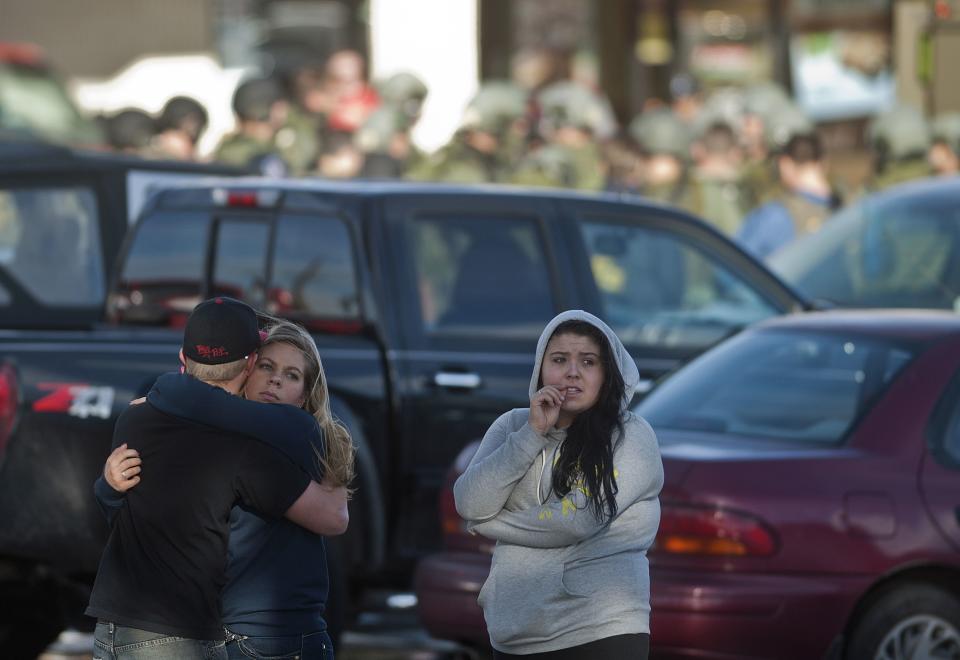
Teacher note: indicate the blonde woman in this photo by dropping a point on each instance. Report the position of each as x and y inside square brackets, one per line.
[277, 580]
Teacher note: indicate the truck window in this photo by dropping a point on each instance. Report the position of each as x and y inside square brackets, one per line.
[240, 260]
[50, 245]
[480, 275]
[164, 269]
[656, 289]
[313, 270]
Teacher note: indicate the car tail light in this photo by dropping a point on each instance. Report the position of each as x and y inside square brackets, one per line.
[454, 528]
[450, 521]
[9, 403]
[693, 530]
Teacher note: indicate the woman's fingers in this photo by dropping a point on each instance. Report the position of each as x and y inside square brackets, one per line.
[550, 394]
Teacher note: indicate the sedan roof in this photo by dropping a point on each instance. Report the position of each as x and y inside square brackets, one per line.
[910, 324]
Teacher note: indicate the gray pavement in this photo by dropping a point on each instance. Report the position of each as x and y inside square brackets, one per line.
[381, 633]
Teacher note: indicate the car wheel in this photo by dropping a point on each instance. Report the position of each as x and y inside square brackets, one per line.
[915, 621]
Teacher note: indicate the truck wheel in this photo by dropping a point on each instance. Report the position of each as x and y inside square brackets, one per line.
[911, 621]
[32, 622]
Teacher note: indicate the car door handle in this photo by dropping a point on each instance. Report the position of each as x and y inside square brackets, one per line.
[455, 379]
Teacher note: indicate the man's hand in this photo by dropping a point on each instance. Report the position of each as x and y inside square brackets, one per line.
[122, 469]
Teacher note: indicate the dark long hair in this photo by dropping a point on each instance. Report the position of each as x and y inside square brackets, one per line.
[587, 451]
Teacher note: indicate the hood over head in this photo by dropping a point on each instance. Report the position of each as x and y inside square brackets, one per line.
[623, 359]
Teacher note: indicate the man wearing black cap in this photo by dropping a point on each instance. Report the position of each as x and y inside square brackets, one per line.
[157, 590]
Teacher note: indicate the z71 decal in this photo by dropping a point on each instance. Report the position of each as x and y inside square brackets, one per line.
[75, 399]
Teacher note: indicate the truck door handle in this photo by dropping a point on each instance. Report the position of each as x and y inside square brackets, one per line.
[454, 379]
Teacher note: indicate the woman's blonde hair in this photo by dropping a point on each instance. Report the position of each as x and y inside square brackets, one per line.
[338, 463]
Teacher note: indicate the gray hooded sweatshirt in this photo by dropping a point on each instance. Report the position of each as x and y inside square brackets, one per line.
[560, 577]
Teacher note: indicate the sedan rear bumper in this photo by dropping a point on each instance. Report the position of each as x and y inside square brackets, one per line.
[447, 586]
[707, 616]
[719, 616]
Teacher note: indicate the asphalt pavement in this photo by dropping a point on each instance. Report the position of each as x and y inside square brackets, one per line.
[380, 633]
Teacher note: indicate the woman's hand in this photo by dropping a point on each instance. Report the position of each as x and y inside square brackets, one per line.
[545, 408]
[122, 469]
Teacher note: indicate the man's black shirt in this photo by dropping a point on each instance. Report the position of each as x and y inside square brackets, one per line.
[165, 561]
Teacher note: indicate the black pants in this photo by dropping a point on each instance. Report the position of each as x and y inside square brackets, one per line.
[618, 647]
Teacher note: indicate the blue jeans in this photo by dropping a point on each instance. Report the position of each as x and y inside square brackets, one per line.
[113, 642]
[312, 646]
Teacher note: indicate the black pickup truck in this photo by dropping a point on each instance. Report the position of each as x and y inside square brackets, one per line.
[425, 302]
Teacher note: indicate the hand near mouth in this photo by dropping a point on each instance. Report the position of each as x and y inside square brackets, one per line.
[545, 408]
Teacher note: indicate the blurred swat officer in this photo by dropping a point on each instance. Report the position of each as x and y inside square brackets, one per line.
[665, 144]
[385, 137]
[479, 151]
[572, 121]
[805, 202]
[261, 108]
[900, 139]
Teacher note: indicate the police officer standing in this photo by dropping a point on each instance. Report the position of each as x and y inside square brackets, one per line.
[806, 199]
[572, 120]
[475, 154]
[261, 108]
[385, 138]
[665, 144]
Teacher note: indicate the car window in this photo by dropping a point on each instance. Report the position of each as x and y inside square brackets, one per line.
[951, 439]
[481, 274]
[313, 270]
[658, 290]
[164, 268]
[782, 385]
[240, 260]
[901, 253]
[50, 244]
[943, 434]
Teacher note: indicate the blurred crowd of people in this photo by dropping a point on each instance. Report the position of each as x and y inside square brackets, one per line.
[746, 159]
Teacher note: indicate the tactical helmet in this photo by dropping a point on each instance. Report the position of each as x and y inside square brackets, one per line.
[660, 132]
[724, 105]
[130, 129]
[406, 92]
[495, 106]
[400, 87]
[254, 98]
[765, 99]
[788, 121]
[569, 104]
[900, 132]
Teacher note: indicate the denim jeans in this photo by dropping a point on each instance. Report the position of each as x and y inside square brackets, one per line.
[113, 642]
[312, 646]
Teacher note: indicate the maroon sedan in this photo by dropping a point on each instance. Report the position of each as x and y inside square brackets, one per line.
[812, 499]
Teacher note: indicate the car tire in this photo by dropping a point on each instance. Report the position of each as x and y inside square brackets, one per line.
[907, 615]
[34, 623]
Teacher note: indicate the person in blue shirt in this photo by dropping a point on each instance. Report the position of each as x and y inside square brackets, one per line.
[277, 580]
[806, 200]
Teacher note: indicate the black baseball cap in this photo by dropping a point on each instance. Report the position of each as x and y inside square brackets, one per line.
[221, 330]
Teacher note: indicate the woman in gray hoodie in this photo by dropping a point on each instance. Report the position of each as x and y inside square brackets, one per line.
[569, 490]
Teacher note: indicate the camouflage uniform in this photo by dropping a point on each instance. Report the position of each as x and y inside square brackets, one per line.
[660, 133]
[492, 111]
[784, 120]
[254, 102]
[561, 165]
[298, 140]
